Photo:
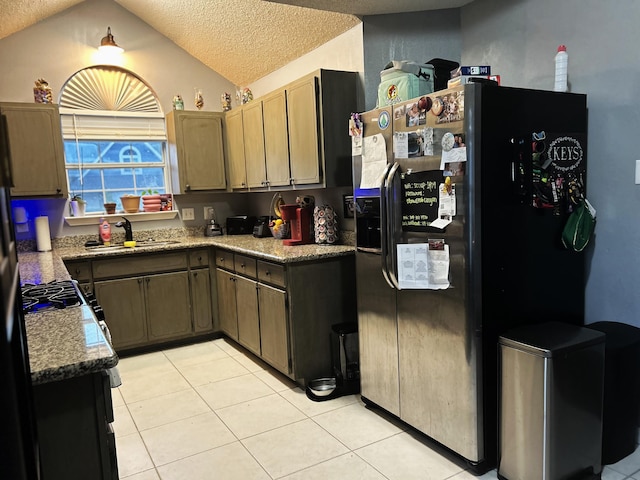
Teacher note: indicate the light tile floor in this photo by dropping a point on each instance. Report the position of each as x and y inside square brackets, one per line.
[213, 411]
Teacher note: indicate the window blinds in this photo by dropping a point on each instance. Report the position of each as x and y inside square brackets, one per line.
[112, 125]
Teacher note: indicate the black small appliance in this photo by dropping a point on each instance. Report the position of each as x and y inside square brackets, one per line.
[261, 228]
[240, 224]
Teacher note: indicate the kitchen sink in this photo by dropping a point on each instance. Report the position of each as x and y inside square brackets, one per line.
[139, 245]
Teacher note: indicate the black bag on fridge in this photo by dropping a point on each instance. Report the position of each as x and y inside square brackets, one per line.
[442, 71]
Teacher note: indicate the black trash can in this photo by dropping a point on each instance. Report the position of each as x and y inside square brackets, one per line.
[621, 408]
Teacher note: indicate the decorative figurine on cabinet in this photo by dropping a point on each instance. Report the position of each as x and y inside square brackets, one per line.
[178, 104]
[42, 92]
[199, 100]
[247, 96]
[225, 99]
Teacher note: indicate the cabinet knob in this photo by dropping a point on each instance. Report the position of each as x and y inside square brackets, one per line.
[195, 274]
[148, 280]
[187, 187]
[267, 273]
[139, 281]
[199, 259]
[58, 190]
[242, 265]
[221, 259]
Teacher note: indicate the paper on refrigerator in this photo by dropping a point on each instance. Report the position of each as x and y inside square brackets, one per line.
[420, 267]
[374, 161]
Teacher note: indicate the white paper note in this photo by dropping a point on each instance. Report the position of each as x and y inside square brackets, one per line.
[374, 161]
[421, 268]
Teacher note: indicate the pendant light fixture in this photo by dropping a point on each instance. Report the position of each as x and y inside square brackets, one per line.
[108, 44]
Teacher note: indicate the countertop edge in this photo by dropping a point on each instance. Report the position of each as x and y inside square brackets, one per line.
[264, 248]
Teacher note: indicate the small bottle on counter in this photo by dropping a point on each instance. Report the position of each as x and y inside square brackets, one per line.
[104, 232]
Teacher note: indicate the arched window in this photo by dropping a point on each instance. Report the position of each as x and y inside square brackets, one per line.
[114, 136]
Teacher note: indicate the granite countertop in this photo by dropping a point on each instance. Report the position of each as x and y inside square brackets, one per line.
[265, 248]
[62, 343]
[69, 342]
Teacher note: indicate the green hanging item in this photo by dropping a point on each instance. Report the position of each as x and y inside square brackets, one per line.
[579, 227]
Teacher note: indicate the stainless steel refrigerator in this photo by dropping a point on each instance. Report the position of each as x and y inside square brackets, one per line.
[460, 201]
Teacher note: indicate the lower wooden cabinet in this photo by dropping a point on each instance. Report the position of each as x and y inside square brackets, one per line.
[75, 436]
[124, 306]
[151, 298]
[274, 330]
[248, 316]
[283, 313]
[238, 309]
[227, 303]
[146, 309]
[200, 286]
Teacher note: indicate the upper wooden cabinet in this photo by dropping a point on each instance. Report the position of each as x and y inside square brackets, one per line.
[235, 148]
[295, 135]
[254, 144]
[318, 109]
[196, 152]
[35, 143]
[276, 139]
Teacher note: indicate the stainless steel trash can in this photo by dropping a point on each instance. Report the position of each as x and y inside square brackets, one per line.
[551, 391]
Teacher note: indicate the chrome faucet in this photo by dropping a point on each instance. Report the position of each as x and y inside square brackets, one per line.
[128, 232]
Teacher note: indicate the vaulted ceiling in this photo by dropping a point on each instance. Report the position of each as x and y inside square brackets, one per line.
[243, 40]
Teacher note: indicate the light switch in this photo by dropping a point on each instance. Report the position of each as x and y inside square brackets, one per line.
[188, 214]
[637, 172]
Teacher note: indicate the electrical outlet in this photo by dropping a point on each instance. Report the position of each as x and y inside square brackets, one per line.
[188, 214]
[207, 213]
[637, 172]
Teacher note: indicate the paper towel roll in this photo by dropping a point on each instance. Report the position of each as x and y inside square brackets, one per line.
[43, 236]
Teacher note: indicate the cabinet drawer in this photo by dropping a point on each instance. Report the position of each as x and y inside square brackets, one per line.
[139, 265]
[80, 271]
[271, 273]
[224, 259]
[245, 265]
[199, 258]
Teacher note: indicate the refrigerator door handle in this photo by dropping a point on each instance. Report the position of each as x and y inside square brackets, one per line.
[387, 221]
[384, 222]
[390, 227]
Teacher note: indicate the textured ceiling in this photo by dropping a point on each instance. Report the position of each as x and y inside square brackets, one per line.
[242, 40]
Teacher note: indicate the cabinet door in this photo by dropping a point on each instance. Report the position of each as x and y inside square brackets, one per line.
[168, 307]
[302, 110]
[37, 153]
[123, 305]
[276, 139]
[199, 150]
[254, 145]
[227, 303]
[201, 300]
[274, 327]
[248, 319]
[235, 149]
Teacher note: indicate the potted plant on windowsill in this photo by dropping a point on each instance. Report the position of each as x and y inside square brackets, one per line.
[151, 201]
[130, 203]
[78, 206]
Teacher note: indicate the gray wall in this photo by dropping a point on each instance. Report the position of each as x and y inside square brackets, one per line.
[519, 38]
[417, 36]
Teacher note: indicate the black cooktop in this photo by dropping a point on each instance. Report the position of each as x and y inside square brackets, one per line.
[56, 294]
